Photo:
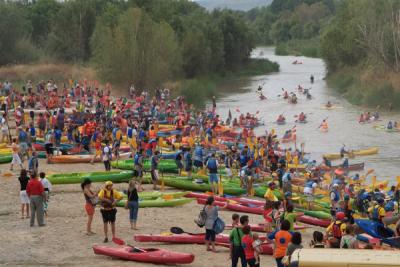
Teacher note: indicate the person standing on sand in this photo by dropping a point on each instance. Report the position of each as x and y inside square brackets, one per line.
[90, 203]
[132, 203]
[35, 191]
[212, 215]
[235, 237]
[47, 189]
[15, 155]
[23, 181]
[212, 166]
[107, 156]
[108, 198]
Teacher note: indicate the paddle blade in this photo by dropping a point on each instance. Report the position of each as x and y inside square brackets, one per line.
[220, 188]
[177, 230]
[118, 241]
[369, 172]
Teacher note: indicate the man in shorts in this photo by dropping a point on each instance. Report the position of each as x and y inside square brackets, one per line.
[155, 159]
[108, 198]
[212, 166]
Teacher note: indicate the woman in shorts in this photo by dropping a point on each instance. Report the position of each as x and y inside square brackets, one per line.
[90, 204]
[23, 181]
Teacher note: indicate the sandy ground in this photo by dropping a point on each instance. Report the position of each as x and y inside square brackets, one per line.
[62, 242]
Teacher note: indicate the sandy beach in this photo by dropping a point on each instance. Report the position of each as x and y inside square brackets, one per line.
[63, 242]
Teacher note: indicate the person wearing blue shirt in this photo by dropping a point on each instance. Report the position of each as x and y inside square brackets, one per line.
[198, 156]
[212, 166]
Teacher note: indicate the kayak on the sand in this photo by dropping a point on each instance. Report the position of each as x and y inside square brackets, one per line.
[158, 202]
[378, 230]
[78, 177]
[149, 255]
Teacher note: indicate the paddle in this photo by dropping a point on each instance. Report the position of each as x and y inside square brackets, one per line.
[178, 231]
[321, 123]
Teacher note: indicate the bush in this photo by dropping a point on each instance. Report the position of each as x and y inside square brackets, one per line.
[197, 91]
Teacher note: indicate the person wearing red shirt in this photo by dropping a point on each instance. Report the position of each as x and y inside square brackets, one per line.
[247, 243]
[36, 194]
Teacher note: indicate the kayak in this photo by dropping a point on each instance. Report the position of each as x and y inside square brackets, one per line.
[78, 177]
[241, 200]
[235, 207]
[281, 122]
[261, 227]
[331, 107]
[158, 202]
[199, 239]
[378, 230]
[157, 194]
[315, 213]
[5, 158]
[149, 255]
[313, 221]
[384, 128]
[363, 152]
[288, 140]
[185, 183]
[179, 239]
[168, 166]
[346, 257]
[79, 158]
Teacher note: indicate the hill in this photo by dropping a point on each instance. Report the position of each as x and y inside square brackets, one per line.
[243, 5]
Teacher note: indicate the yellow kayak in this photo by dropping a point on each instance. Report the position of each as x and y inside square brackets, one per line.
[5, 151]
[298, 166]
[354, 153]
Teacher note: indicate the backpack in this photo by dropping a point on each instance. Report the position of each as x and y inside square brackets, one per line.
[201, 218]
[336, 231]
[137, 157]
[375, 213]
[219, 226]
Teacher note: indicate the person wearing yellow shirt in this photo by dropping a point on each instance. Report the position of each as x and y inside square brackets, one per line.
[108, 198]
[269, 194]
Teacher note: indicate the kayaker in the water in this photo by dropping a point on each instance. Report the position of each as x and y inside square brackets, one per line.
[285, 94]
[302, 117]
[389, 125]
[108, 199]
[324, 125]
[328, 104]
[293, 99]
[312, 78]
[361, 120]
[212, 166]
[281, 119]
[259, 89]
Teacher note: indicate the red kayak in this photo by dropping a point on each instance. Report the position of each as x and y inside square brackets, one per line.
[241, 200]
[236, 207]
[180, 239]
[313, 221]
[223, 240]
[260, 227]
[150, 255]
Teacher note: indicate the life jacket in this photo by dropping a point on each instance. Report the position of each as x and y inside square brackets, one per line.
[22, 136]
[105, 204]
[137, 158]
[337, 197]
[243, 159]
[375, 213]
[212, 165]
[130, 132]
[336, 231]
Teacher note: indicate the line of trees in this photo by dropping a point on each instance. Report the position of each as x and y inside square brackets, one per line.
[142, 41]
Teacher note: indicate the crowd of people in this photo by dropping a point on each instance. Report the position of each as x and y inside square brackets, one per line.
[94, 122]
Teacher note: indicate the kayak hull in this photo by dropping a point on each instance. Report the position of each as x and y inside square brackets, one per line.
[149, 255]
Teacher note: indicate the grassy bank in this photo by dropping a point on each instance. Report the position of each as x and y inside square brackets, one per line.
[197, 91]
[297, 47]
[367, 86]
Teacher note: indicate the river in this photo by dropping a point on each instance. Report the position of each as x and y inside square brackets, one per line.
[343, 122]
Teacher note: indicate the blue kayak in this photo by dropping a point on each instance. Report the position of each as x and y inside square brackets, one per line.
[378, 230]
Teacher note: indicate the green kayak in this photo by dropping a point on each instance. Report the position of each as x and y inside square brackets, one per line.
[158, 202]
[185, 183]
[259, 191]
[77, 177]
[6, 158]
[315, 213]
[166, 165]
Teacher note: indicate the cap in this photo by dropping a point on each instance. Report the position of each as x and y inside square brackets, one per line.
[340, 215]
[109, 183]
[335, 185]
[271, 184]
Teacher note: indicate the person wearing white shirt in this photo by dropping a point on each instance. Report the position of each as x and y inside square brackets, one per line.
[47, 189]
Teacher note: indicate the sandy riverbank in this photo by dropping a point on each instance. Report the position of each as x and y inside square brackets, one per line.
[63, 241]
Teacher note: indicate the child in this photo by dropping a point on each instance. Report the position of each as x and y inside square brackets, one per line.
[267, 214]
[317, 241]
[349, 240]
[257, 248]
[247, 244]
[276, 215]
[235, 220]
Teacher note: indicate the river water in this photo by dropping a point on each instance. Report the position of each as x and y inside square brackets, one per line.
[343, 122]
